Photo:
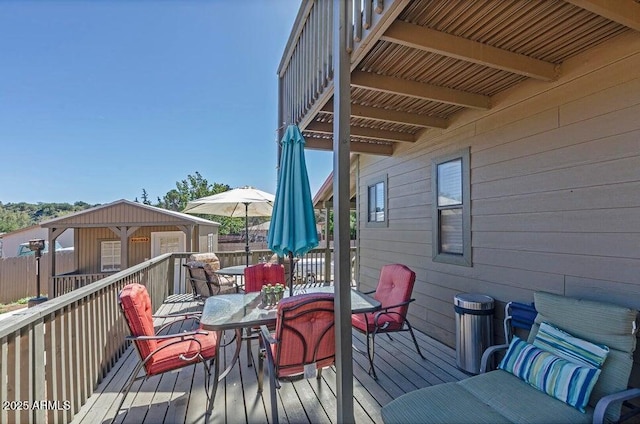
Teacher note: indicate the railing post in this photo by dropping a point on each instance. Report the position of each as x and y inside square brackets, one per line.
[38, 388]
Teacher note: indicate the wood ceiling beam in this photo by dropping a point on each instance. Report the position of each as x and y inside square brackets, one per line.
[429, 40]
[419, 90]
[355, 146]
[624, 12]
[393, 116]
[373, 133]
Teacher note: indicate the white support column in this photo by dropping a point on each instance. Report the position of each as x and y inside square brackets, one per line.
[341, 203]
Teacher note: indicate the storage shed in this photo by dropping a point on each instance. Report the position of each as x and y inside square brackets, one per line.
[117, 235]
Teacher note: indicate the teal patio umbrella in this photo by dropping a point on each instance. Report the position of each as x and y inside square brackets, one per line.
[293, 223]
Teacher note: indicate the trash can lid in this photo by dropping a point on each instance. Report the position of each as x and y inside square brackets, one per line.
[473, 301]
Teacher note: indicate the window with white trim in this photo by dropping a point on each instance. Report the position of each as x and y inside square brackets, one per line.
[377, 202]
[110, 256]
[451, 208]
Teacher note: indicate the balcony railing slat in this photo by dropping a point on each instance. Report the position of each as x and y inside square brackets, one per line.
[367, 15]
[357, 13]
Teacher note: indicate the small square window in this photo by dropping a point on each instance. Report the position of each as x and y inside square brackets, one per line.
[377, 202]
[109, 256]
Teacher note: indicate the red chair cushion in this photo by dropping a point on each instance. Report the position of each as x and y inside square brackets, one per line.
[306, 334]
[136, 306]
[168, 358]
[256, 276]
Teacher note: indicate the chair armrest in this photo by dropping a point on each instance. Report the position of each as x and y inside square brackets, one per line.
[386, 308]
[188, 315]
[606, 401]
[488, 353]
[266, 335]
[184, 335]
[385, 311]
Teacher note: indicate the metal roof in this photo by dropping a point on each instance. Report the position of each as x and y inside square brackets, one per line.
[121, 212]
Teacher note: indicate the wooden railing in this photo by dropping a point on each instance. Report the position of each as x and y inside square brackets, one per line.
[316, 265]
[53, 355]
[306, 68]
[68, 282]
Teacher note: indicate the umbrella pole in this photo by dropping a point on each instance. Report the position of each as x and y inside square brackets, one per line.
[290, 273]
[246, 232]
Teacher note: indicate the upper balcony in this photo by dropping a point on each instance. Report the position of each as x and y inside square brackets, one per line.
[419, 66]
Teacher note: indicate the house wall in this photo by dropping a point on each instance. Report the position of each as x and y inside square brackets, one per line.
[555, 189]
[11, 241]
[90, 238]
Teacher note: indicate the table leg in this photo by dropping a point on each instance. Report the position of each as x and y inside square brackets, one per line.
[216, 371]
[236, 354]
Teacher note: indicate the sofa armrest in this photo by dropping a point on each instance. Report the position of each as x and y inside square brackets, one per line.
[488, 354]
[605, 402]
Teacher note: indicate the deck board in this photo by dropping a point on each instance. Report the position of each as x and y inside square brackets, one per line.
[179, 396]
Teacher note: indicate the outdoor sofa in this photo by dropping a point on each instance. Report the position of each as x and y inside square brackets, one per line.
[501, 397]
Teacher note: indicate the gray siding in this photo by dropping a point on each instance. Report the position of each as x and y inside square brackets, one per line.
[555, 189]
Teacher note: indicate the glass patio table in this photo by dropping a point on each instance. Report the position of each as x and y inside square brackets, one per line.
[245, 310]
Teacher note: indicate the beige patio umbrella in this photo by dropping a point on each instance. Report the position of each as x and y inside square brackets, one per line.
[236, 203]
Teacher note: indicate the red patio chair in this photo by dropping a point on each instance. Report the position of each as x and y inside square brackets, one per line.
[303, 342]
[256, 276]
[394, 292]
[162, 353]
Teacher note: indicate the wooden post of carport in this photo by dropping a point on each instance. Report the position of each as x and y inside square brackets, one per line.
[124, 233]
[53, 235]
[193, 241]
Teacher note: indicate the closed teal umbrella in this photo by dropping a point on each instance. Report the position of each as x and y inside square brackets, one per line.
[293, 222]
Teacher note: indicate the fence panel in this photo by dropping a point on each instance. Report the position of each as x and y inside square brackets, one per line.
[18, 275]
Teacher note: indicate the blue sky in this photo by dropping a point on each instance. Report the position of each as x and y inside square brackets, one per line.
[100, 99]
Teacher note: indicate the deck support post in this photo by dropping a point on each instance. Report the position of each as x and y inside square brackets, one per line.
[341, 198]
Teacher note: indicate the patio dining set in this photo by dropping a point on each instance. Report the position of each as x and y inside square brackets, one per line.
[297, 335]
[297, 340]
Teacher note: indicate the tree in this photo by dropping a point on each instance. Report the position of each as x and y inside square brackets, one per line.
[13, 220]
[14, 216]
[353, 224]
[145, 198]
[195, 187]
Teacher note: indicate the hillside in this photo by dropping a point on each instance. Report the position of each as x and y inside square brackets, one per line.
[14, 216]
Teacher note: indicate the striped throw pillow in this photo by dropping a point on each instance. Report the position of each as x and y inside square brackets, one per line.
[568, 347]
[566, 381]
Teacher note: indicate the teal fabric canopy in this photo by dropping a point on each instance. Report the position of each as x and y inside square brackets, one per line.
[293, 223]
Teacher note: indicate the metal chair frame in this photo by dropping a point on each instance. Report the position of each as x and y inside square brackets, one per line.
[371, 336]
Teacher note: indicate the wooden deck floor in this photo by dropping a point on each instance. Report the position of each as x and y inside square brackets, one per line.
[179, 397]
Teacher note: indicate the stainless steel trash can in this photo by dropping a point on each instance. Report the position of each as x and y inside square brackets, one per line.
[474, 329]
